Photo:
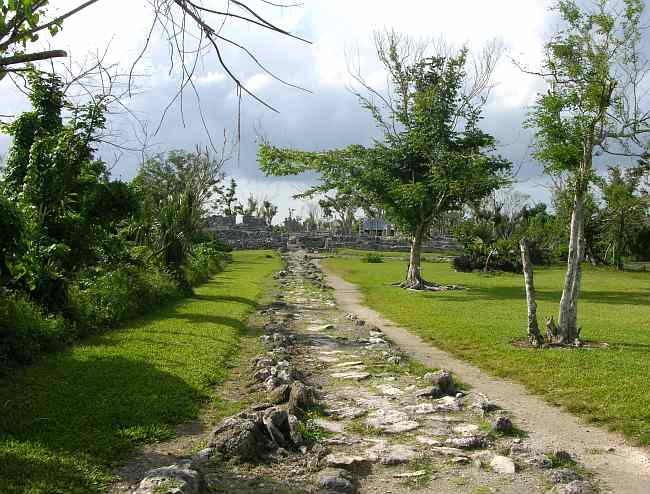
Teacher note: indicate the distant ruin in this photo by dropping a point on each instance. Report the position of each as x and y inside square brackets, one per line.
[253, 233]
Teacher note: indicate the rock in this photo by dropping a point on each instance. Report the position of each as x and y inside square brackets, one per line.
[467, 442]
[466, 429]
[173, 479]
[448, 404]
[562, 456]
[539, 460]
[408, 475]
[344, 365]
[294, 430]
[563, 476]
[443, 380]
[429, 441]
[575, 487]
[201, 457]
[399, 427]
[356, 375]
[482, 458]
[276, 422]
[301, 398]
[397, 454]
[392, 421]
[394, 359]
[421, 409]
[345, 461]
[442, 450]
[335, 480]
[502, 425]
[242, 436]
[262, 374]
[389, 390]
[329, 425]
[502, 464]
[280, 394]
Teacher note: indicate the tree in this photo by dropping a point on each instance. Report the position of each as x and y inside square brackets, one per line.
[226, 198]
[68, 204]
[176, 188]
[267, 212]
[432, 157]
[344, 206]
[595, 69]
[625, 211]
[189, 27]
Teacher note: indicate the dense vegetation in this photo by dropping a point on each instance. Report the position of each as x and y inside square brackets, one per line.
[69, 419]
[80, 252]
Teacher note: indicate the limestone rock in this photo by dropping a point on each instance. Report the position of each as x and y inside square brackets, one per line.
[502, 425]
[575, 487]
[335, 480]
[503, 464]
[241, 436]
[443, 380]
[173, 479]
[301, 398]
[279, 394]
[563, 476]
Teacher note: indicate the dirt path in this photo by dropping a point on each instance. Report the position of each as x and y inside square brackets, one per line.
[622, 467]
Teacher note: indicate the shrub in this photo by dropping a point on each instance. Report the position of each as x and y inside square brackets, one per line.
[108, 298]
[463, 264]
[372, 258]
[205, 261]
[25, 331]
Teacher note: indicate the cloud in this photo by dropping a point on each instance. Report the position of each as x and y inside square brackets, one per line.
[330, 117]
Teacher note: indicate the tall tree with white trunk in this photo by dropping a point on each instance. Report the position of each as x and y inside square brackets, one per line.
[596, 73]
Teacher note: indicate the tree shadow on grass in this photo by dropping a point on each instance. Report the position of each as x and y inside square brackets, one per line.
[225, 298]
[501, 293]
[62, 424]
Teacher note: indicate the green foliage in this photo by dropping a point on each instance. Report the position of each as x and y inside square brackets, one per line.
[99, 300]
[25, 331]
[372, 258]
[175, 189]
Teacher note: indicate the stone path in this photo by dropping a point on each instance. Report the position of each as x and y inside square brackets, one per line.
[348, 412]
[621, 467]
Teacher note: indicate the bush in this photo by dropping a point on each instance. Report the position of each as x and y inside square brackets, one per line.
[25, 331]
[108, 298]
[463, 264]
[372, 258]
[206, 260]
[467, 264]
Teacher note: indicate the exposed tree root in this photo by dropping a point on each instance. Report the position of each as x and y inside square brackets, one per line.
[423, 285]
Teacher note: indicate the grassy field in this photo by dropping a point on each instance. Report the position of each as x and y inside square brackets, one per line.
[608, 386]
[435, 253]
[67, 420]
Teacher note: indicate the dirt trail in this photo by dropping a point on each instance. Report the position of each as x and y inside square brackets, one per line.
[621, 467]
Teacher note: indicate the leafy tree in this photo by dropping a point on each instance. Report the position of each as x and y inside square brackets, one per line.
[175, 189]
[625, 211]
[226, 198]
[343, 206]
[267, 212]
[64, 195]
[594, 68]
[433, 156]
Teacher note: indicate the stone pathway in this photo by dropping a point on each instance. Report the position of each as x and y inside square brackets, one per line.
[347, 412]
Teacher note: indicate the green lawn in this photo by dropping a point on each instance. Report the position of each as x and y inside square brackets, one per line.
[65, 421]
[608, 386]
[395, 253]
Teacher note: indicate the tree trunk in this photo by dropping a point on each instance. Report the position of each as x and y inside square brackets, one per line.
[413, 274]
[567, 318]
[534, 335]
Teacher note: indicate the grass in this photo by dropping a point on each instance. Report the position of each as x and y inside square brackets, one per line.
[66, 421]
[606, 386]
[344, 251]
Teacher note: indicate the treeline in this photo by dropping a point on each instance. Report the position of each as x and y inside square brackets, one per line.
[616, 225]
[80, 252]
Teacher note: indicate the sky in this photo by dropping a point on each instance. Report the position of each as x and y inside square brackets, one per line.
[327, 117]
